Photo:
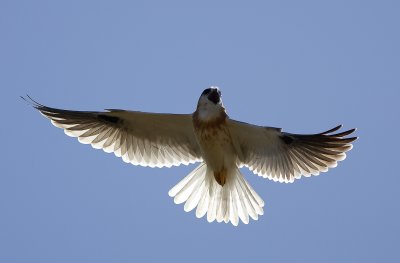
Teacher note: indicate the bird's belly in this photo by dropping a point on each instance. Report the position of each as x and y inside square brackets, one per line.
[218, 151]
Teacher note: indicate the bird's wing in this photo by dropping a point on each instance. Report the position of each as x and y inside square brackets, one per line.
[284, 157]
[147, 139]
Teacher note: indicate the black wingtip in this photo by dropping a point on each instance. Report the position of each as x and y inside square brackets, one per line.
[332, 130]
[28, 99]
[345, 133]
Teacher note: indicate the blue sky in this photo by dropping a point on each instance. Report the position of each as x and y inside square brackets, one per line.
[305, 66]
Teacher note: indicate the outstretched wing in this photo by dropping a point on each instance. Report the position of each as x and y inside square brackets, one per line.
[284, 157]
[147, 139]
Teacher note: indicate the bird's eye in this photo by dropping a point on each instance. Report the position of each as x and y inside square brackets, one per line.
[206, 91]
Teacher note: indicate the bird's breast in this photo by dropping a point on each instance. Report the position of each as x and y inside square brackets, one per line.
[217, 149]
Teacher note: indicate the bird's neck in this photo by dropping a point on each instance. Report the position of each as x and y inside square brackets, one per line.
[204, 118]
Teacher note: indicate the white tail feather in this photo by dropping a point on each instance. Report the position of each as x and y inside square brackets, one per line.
[235, 200]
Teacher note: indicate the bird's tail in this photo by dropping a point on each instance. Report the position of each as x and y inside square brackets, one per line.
[236, 199]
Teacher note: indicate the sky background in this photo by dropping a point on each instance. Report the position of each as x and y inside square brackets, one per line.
[305, 66]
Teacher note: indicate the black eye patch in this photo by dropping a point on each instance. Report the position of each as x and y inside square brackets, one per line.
[214, 96]
[206, 91]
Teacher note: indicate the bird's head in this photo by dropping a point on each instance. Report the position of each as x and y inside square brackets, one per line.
[210, 106]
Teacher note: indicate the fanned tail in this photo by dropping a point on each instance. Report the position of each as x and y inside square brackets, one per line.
[236, 199]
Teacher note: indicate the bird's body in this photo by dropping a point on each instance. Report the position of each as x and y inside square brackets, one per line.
[216, 187]
[215, 142]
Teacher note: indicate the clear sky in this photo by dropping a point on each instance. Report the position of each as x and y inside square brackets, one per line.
[305, 66]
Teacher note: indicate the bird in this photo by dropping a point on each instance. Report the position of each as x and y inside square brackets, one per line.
[221, 146]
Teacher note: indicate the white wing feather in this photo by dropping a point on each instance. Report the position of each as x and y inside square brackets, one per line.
[147, 139]
[284, 157]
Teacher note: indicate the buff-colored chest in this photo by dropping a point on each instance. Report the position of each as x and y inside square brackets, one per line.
[217, 149]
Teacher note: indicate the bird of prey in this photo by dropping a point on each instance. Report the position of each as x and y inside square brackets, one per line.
[221, 145]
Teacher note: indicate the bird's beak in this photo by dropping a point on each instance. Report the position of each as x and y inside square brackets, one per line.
[214, 96]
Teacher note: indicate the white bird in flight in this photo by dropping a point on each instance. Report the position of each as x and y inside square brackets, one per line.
[221, 145]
